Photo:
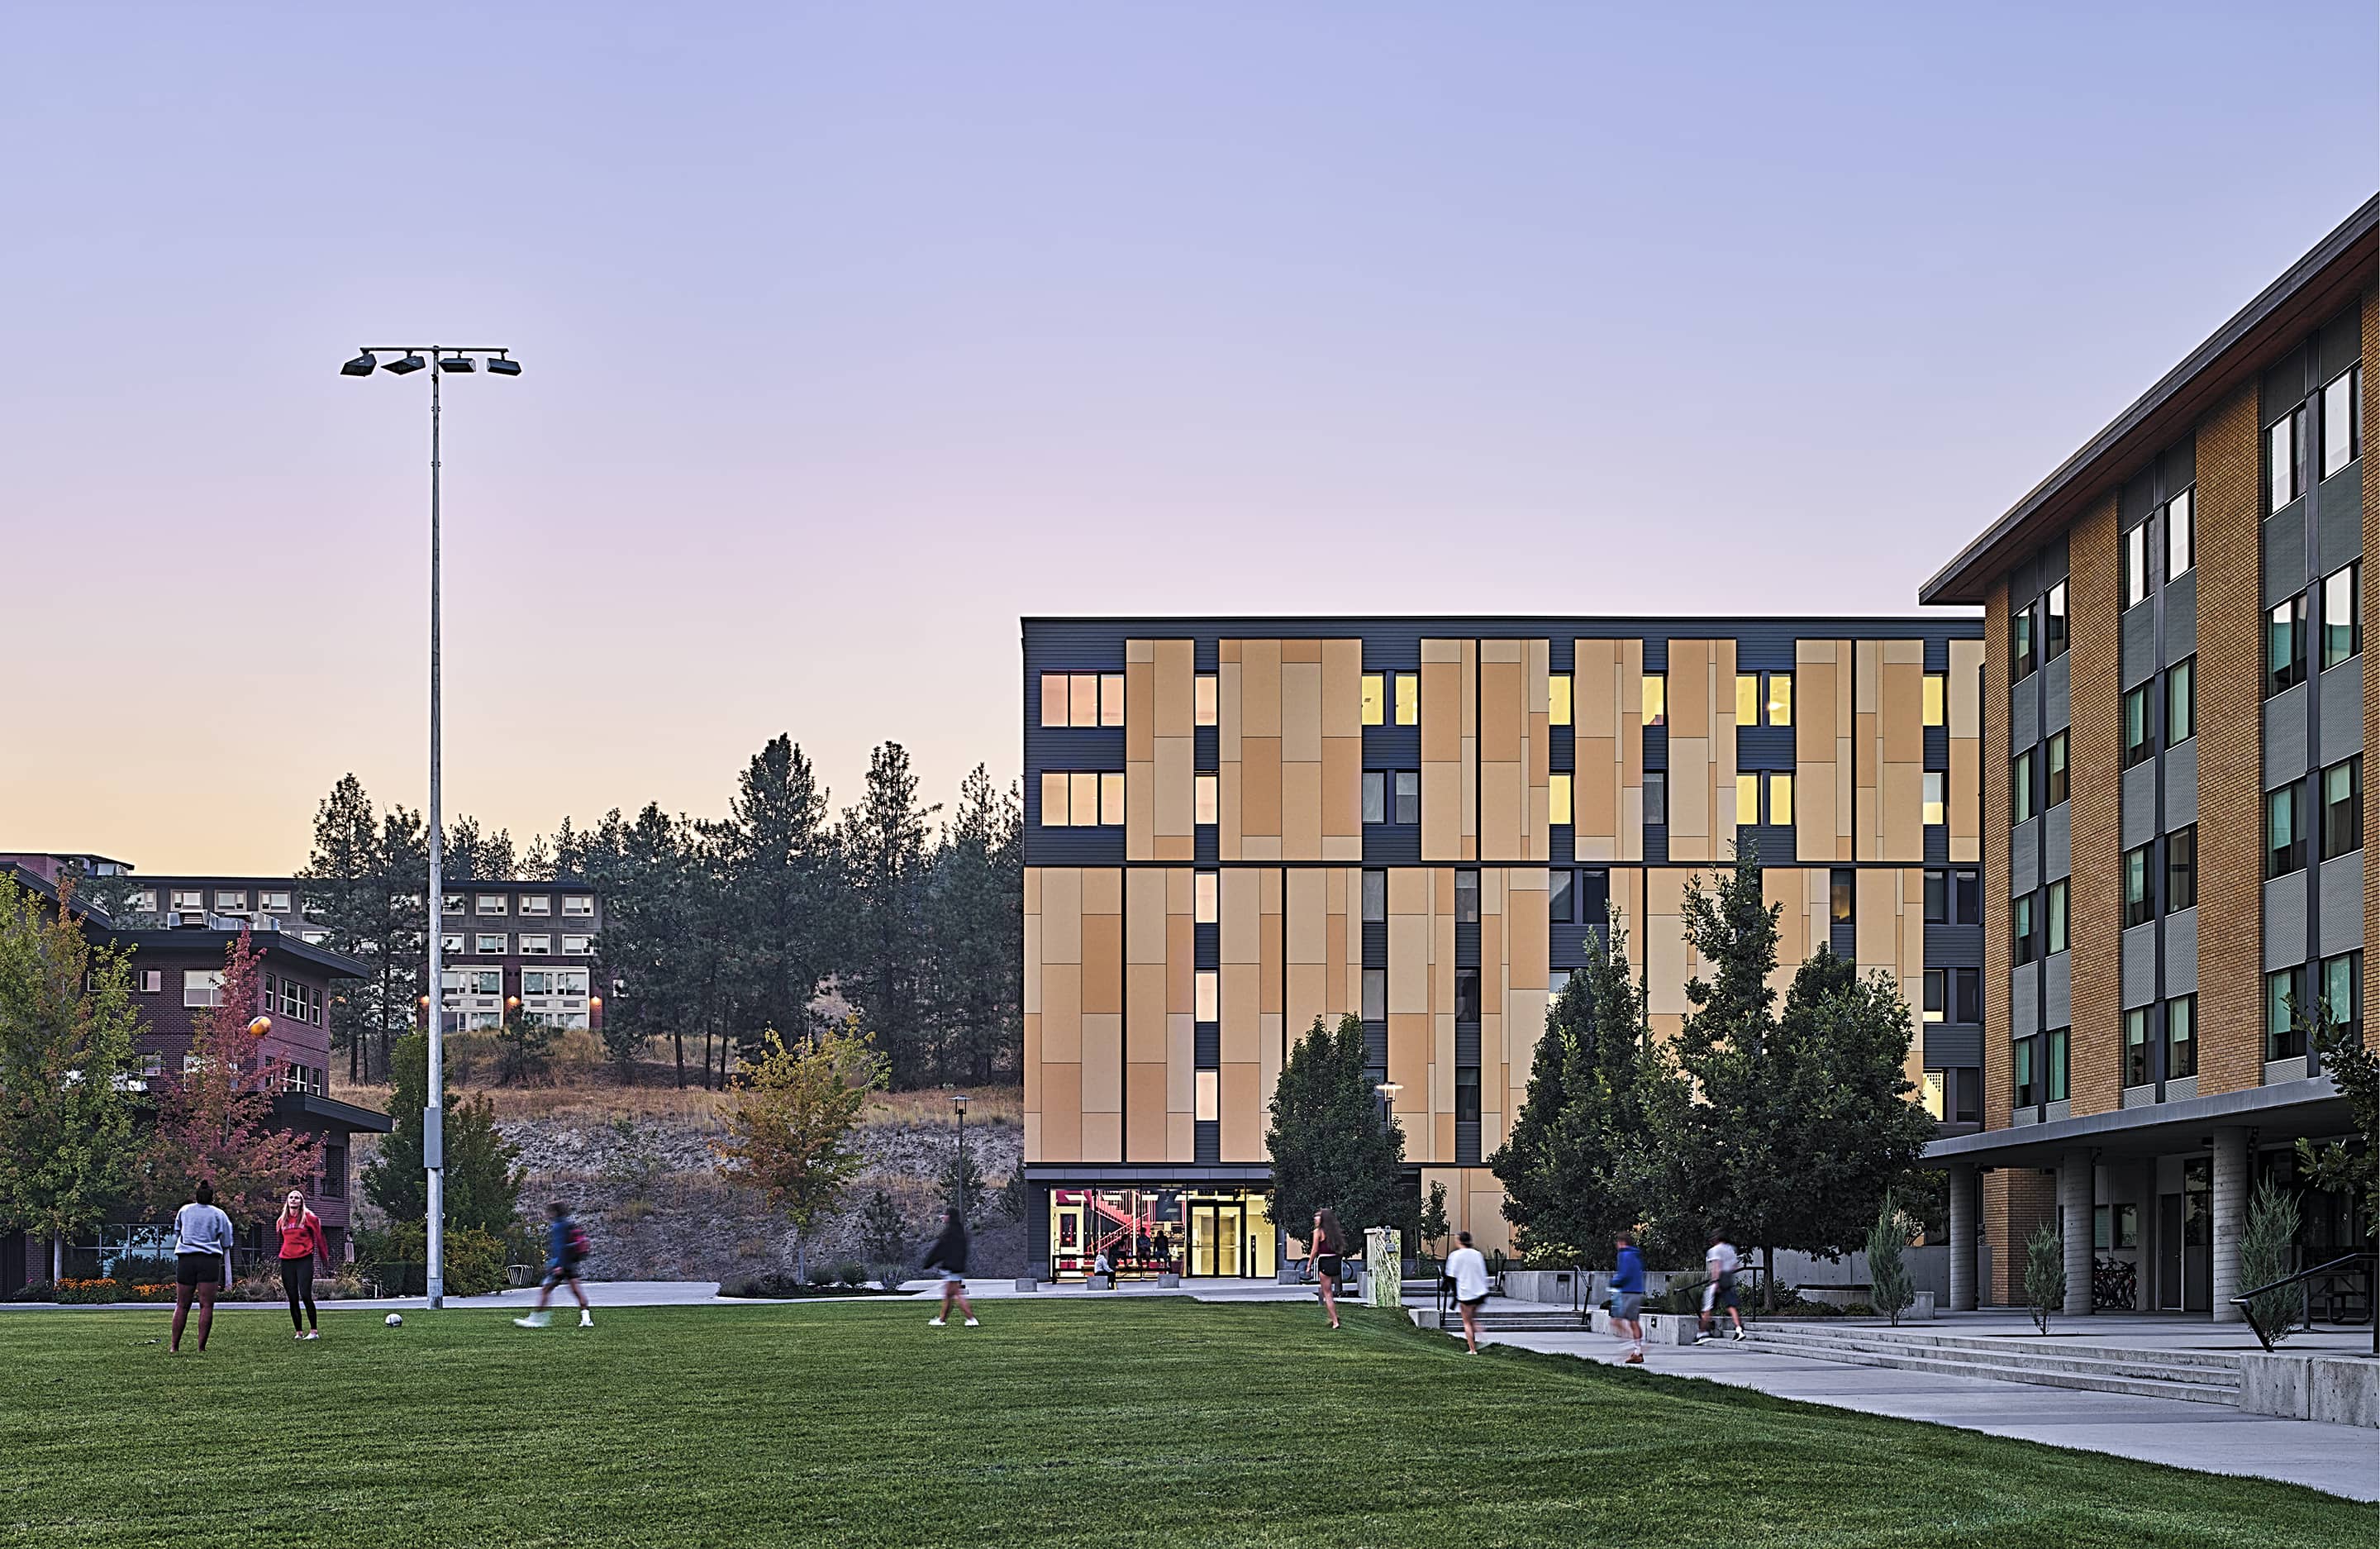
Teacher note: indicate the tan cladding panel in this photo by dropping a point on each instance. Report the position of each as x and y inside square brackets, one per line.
[1889, 937]
[1608, 744]
[1888, 694]
[1290, 742]
[1053, 975]
[1148, 915]
[1963, 710]
[1822, 723]
[1702, 750]
[1448, 748]
[1158, 693]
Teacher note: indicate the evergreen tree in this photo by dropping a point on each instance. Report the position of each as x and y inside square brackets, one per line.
[341, 879]
[882, 843]
[483, 1183]
[1329, 1142]
[775, 864]
[975, 914]
[474, 856]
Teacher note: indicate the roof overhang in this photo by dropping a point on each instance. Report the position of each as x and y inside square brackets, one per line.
[270, 943]
[2329, 277]
[2310, 1108]
[330, 1113]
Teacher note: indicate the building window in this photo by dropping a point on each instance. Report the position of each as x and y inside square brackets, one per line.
[579, 905]
[1375, 796]
[1557, 981]
[2181, 868]
[1408, 811]
[2284, 996]
[536, 946]
[2285, 647]
[1558, 799]
[1936, 810]
[1842, 896]
[536, 904]
[153, 982]
[334, 1172]
[1210, 1096]
[1082, 699]
[2139, 737]
[188, 898]
[1937, 995]
[1053, 699]
[2053, 624]
[1780, 702]
[578, 946]
[2054, 917]
[1203, 699]
[2020, 808]
[1204, 800]
[1761, 700]
[1560, 896]
[2182, 702]
[1747, 800]
[1081, 798]
[2028, 1076]
[2342, 631]
[274, 903]
[1466, 994]
[1966, 897]
[2136, 566]
[2021, 937]
[1780, 799]
[450, 943]
[1408, 699]
[2180, 536]
[1657, 699]
[2137, 1072]
[2285, 848]
[2342, 420]
[1747, 699]
[2053, 760]
[1467, 1094]
[1376, 994]
[1937, 698]
[1376, 897]
[1656, 798]
[1210, 998]
[2057, 1044]
[2139, 900]
[2342, 992]
[492, 903]
[2021, 644]
[1558, 699]
[1206, 895]
[2342, 809]
[2180, 1037]
[1467, 898]
[1967, 1000]
[2285, 459]
[1375, 699]
[1937, 897]
[492, 944]
[202, 986]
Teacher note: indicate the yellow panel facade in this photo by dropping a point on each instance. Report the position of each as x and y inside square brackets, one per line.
[1822, 750]
[1608, 749]
[1146, 1035]
[1341, 771]
[1891, 938]
[1702, 750]
[1059, 937]
[1412, 931]
[1240, 936]
[1963, 712]
[1102, 1042]
[1527, 940]
[1445, 697]
[1272, 1040]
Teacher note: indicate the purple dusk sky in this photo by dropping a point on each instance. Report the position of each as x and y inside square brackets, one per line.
[854, 333]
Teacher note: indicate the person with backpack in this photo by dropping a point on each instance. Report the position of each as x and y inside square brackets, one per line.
[1628, 1300]
[566, 1249]
[1720, 1265]
[302, 1243]
[949, 1256]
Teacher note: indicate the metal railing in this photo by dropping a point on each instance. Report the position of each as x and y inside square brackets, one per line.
[2351, 1264]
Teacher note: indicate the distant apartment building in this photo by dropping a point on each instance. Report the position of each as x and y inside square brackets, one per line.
[2176, 711]
[1234, 825]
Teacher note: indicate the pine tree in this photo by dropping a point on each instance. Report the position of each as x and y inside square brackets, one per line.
[342, 879]
[882, 842]
[1329, 1142]
[775, 863]
[472, 855]
[974, 936]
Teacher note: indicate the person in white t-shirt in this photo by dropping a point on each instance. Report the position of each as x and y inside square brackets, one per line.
[1469, 1272]
[1720, 1266]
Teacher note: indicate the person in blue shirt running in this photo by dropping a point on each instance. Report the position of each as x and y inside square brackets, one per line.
[1628, 1300]
[566, 1249]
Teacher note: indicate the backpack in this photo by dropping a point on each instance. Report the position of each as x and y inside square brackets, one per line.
[574, 1246]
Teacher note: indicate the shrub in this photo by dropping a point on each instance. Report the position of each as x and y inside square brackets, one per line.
[396, 1256]
[2044, 1274]
[95, 1292]
[891, 1276]
[821, 1276]
[852, 1274]
[34, 1290]
[2267, 1254]
[1888, 1273]
[771, 1284]
[144, 1269]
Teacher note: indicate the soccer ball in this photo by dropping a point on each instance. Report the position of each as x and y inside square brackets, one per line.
[395, 1320]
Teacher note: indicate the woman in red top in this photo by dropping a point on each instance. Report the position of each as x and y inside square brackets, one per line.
[301, 1242]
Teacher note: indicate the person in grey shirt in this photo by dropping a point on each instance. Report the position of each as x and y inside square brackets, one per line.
[202, 1262]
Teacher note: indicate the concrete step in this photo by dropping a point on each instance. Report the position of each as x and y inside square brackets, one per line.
[2220, 1362]
[2099, 1369]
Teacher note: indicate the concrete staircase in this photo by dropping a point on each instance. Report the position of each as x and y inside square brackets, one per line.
[1500, 1316]
[2202, 1376]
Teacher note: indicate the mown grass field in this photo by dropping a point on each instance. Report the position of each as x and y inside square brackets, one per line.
[1132, 1422]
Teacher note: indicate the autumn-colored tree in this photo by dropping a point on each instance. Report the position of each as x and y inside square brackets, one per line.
[790, 1118]
[214, 1116]
[67, 1026]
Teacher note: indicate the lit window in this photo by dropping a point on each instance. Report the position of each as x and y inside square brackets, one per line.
[1842, 896]
[1210, 1095]
[2180, 536]
[1932, 1096]
[1408, 699]
[1209, 983]
[1747, 699]
[1375, 699]
[1111, 799]
[1780, 799]
[1207, 893]
[1937, 698]
[1111, 698]
[2181, 700]
[2342, 420]
[2342, 631]
[1083, 798]
[1202, 700]
[1202, 791]
[1053, 799]
[1558, 799]
[1558, 699]
[1936, 811]
[1657, 699]
[1747, 800]
[1082, 700]
[1053, 699]
[1781, 699]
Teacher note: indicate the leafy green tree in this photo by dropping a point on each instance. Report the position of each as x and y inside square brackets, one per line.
[974, 935]
[883, 966]
[483, 1183]
[1329, 1142]
[1432, 1224]
[2344, 1165]
[67, 1063]
[791, 1118]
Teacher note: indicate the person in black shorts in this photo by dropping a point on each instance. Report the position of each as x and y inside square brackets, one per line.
[1327, 1244]
[202, 1262]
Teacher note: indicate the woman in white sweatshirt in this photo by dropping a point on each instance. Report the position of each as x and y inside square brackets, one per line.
[202, 1262]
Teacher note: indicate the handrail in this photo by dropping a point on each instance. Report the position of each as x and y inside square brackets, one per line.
[2371, 1280]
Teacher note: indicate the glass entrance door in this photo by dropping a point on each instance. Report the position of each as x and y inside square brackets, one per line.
[1215, 1233]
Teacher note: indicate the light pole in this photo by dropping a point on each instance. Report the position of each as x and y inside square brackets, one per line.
[1387, 1091]
[959, 1101]
[443, 361]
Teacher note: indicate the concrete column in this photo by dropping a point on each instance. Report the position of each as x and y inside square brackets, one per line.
[1962, 1239]
[2231, 1210]
[2074, 1206]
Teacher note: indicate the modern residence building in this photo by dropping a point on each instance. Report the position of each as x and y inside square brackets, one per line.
[2175, 713]
[1234, 825]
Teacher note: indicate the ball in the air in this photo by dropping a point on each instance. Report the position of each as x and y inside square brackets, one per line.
[259, 1027]
[395, 1320]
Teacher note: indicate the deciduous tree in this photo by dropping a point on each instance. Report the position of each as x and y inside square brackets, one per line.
[791, 1115]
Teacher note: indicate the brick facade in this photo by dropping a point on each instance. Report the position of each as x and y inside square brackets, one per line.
[2095, 763]
[2017, 1202]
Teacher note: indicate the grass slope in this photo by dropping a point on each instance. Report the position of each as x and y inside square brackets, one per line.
[1143, 1422]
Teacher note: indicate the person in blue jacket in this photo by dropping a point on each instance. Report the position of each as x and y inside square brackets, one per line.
[1628, 1300]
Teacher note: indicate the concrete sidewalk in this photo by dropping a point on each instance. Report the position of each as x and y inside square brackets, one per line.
[2337, 1460]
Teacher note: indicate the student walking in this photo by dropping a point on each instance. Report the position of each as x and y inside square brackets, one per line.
[566, 1249]
[1468, 1270]
[1326, 1246]
[301, 1243]
[949, 1256]
[1720, 1266]
[1628, 1300]
[202, 1262]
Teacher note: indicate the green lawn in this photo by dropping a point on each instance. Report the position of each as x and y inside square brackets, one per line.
[1139, 1422]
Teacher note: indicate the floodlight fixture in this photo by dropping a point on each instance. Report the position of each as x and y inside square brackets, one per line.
[361, 365]
[503, 365]
[405, 366]
[456, 363]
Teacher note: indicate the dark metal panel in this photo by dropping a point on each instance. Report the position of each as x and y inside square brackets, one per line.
[2180, 617]
[2285, 737]
[1949, 1045]
[2340, 498]
[2181, 952]
[2139, 805]
[2138, 660]
[2057, 694]
[2180, 763]
[2284, 549]
[2140, 983]
[2343, 710]
[2285, 921]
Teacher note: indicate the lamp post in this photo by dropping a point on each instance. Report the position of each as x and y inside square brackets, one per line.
[443, 361]
[1387, 1091]
[958, 1174]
